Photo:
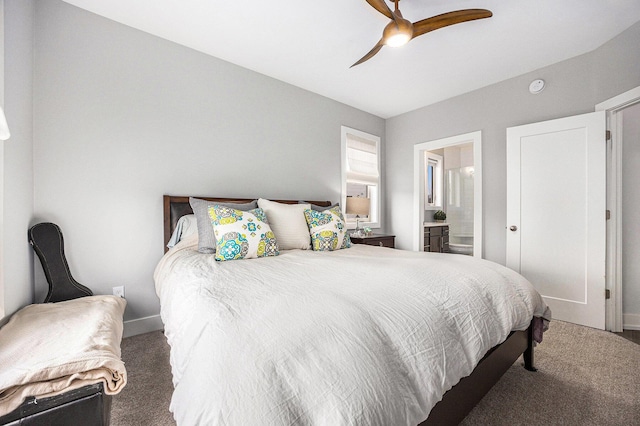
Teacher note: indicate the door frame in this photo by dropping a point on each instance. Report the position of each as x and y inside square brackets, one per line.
[418, 186]
[613, 282]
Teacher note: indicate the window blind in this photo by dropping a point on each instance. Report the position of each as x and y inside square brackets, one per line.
[362, 160]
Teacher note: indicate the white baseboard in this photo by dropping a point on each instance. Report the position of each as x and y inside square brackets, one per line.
[142, 325]
[154, 323]
[631, 321]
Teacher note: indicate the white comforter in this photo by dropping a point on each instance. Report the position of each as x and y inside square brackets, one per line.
[366, 335]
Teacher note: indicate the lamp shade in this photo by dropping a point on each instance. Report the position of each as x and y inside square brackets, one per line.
[358, 206]
[4, 128]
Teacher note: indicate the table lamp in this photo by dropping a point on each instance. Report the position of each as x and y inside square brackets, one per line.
[360, 207]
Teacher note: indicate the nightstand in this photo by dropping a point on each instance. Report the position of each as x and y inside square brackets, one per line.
[376, 240]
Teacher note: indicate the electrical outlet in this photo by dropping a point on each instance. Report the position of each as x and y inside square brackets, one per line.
[119, 291]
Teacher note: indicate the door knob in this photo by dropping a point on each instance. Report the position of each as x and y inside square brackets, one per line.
[513, 228]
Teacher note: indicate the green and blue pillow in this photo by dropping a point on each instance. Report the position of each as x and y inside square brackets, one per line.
[200, 207]
[328, 229]
[242, 234]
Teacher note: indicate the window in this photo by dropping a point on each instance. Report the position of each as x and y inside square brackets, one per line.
[433, 181]
[361, 174]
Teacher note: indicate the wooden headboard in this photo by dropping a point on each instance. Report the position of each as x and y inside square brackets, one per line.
[177, 206]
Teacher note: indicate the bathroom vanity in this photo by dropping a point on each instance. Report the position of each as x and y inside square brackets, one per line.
[436, 237]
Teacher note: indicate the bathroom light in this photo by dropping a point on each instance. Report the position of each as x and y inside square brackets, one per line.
[4, 128]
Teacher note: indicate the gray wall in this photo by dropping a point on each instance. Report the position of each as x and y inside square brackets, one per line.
[630, 209]
[17, 167]
[123, 117]
[120, 117]
[574, 86]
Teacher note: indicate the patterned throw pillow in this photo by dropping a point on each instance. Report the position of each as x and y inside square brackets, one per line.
[328, 229]
[206, 238]
[242, 235]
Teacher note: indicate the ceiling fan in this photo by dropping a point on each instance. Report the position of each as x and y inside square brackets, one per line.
[400, 31]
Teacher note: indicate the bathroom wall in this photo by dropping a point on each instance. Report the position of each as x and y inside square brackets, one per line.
[458, 192]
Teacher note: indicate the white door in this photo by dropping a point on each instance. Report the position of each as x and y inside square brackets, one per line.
[556, 202]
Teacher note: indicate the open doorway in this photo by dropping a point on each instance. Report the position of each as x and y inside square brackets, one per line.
[623, 242]
[431, 175]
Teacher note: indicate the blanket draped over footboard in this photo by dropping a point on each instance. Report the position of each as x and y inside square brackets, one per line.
[48, 349]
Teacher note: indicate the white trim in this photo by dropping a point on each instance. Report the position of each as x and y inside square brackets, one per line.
[614, 314]
[621, 101]
[2, 298]
[142, 325]
[418, 186]
[631, 322]
[614, 225]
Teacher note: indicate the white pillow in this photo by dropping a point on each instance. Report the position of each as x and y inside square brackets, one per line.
[186, 226]
[288, 224]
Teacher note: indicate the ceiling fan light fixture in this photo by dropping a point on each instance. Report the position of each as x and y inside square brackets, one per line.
[398, 40]
[398, 33]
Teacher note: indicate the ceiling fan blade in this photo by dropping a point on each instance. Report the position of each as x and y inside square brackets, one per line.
[382, 7]
[450, 18]
[369, 55]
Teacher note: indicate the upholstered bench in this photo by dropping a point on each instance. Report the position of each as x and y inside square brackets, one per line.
[60, 362]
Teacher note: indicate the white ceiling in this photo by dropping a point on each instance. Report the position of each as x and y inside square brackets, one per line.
[312, 44]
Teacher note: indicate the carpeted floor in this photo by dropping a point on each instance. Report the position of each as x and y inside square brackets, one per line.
[145, 399]
[585, 377]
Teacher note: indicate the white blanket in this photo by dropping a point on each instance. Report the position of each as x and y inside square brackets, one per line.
[366, 335]
[50, 348]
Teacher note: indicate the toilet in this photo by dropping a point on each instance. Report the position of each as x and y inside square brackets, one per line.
[461, 244]
[461, 249]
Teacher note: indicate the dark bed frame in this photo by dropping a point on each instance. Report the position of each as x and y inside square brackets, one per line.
[459, 400]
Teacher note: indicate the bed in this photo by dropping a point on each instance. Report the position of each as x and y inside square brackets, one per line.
[334, 338]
